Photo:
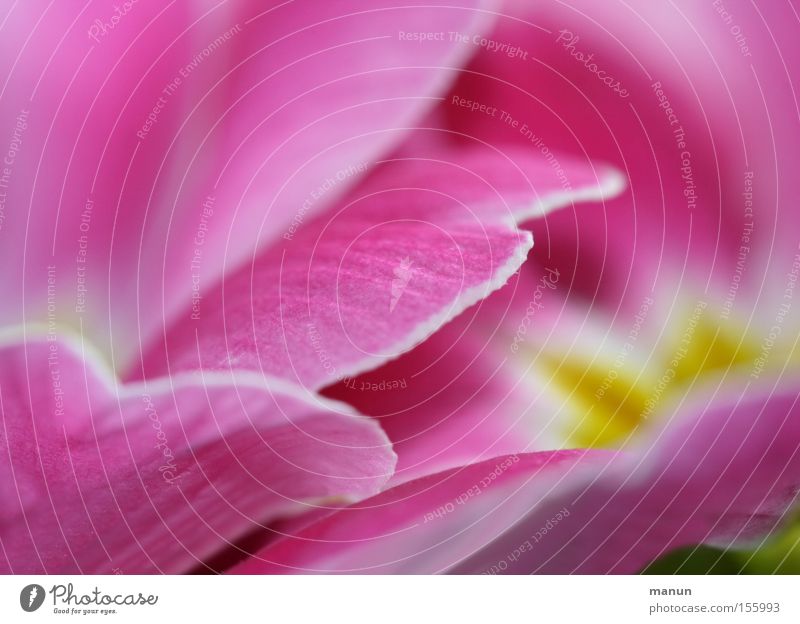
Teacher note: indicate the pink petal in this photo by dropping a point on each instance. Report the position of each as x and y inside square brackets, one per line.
[725, 477]
[420, 526]
[515, 374]
[185, 130]
[724, 471]
[163, 475]
[738, 113]
[415, 245]
[456, 399]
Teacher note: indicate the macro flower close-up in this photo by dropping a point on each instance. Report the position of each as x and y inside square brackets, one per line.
[485, 287]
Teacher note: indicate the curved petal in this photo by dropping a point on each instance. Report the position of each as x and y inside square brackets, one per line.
[417, 243]
[159, 477]
[724, 471]
[422, 526]
[702, 131]
[454, 400]
[157, 147]
[724, 477]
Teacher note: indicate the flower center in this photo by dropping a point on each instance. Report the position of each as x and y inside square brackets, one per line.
[613, 391]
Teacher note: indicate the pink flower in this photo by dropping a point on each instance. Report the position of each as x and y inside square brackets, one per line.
[646, 398]
[205, 214]
[201, 214]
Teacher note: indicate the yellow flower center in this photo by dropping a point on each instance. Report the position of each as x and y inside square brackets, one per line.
[611, 392]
